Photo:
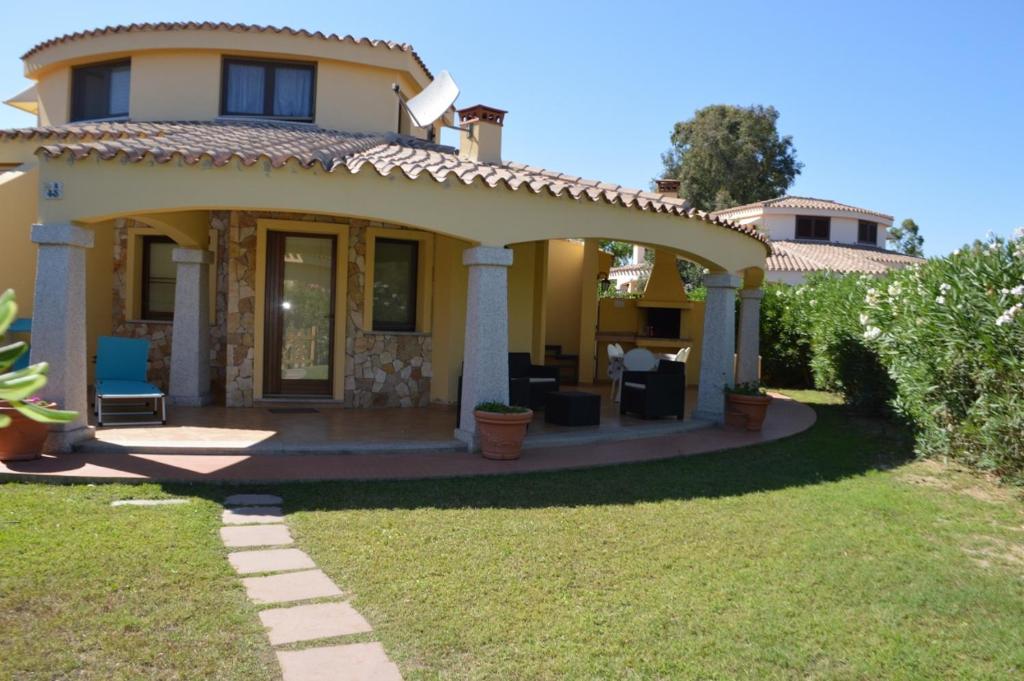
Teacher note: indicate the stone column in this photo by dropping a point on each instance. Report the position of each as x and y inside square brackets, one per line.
[750, 335]
[485, 354]
[190, 337]
[59, 325]
[719, 346]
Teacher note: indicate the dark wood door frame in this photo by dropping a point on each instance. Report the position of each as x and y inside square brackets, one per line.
[273, 324]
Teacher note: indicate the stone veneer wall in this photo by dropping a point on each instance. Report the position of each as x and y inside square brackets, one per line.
[381, 370]
[159, 333]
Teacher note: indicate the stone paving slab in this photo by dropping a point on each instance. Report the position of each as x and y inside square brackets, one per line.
[290, 586]
[270, 560]
[310, 622]
[352, 662]
[255, 535]
[253, 500]
[252, 515]
[149, 502]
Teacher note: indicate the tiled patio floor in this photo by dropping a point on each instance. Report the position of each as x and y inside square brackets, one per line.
[337, 430]
[785, 417]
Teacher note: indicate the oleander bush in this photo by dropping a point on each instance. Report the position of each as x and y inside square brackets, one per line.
[940, 346]
[951, 335]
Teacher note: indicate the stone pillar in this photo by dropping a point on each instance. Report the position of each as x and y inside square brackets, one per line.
[588, 311]
[190, 338]
[59, 327]
[485, 354]
[749, 335]
[719, 346]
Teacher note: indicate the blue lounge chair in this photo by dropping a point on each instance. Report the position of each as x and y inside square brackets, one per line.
[121, 383]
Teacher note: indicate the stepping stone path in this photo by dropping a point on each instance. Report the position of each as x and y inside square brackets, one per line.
[285, 577]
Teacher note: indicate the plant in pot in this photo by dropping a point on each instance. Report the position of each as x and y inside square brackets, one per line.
[23, 418]
[746, 404]
[502, 429]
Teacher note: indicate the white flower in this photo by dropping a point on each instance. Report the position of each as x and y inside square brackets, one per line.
[895, 289]
[941, 300]
[872, 297]
[864, 319]
[1018, 290]
[956, 252]
[944, 288]
[872, 332]
[813, 302]
[1018, 233]
[1008, 316]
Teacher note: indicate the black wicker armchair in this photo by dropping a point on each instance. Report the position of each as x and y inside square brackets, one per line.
[540, 380]
[654, 394]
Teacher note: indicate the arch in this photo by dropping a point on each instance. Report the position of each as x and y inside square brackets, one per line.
[97, 190]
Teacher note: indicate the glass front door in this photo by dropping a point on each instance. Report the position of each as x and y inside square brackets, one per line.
[299, 314]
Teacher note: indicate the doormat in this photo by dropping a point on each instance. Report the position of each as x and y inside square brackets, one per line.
[293, 410]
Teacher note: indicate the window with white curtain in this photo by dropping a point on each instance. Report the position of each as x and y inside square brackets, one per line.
[268, 89]
[100, 91]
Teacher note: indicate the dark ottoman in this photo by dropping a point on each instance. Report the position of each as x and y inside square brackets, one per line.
[573, 408]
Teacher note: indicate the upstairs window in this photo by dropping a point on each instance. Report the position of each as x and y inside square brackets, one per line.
[809, 227]
[268, 89]
[867, 232]
[100, 91]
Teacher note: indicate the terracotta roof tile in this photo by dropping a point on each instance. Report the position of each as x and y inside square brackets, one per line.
[805, 256]
[805, 202]
[226, 26]
[252, 141]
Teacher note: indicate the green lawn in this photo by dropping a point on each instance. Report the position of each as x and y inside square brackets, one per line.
[822, 556]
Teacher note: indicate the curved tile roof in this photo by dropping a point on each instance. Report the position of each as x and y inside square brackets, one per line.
[808, 256]
[805, 202]
[277, 143]
[226, 26]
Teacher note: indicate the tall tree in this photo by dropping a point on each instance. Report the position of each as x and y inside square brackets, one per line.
[907, 238]
[730, 155]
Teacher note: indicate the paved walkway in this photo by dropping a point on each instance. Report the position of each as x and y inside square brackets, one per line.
[786, 417]
[303, 604]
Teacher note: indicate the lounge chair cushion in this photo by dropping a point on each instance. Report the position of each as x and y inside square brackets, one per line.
[108, 389]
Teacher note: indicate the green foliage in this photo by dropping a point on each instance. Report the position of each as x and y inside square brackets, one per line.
[785, 343]
[951, 334]
[500, 408]
[940, 345]
[620, 251]
[730, 155]
[751, 389]
[907, 238]
[18, 387]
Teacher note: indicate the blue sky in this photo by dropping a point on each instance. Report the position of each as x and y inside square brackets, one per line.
[915, 109]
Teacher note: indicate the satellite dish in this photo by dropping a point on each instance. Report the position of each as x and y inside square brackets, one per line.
[433, 101]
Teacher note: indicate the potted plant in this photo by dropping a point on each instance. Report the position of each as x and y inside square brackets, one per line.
[501, 428]
[746, 404]
[23, 418]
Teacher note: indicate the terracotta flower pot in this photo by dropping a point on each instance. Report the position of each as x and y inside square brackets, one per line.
[751, 407]
[23, 438]
[501, 435]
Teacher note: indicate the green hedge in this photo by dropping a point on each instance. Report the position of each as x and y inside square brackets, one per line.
[940, 345]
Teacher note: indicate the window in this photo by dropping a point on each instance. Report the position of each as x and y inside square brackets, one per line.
[813, 227]
[158, 277]
[100, 91]
[867, 232]
[268, 89]
[395, 264]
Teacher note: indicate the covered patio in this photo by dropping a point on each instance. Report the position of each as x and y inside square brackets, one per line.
[484, 231]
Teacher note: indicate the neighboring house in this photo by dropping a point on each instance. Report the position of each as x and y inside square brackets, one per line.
[807, 235]
[814, 235]
[255, 202]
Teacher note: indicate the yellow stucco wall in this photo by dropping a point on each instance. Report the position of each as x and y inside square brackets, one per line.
[178, 77]
[563, 313]
[449, 328]
[17, 257]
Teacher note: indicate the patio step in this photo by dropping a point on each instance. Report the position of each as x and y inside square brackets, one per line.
[95, 446]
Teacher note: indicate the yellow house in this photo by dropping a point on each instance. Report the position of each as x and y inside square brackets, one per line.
[256, 203]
